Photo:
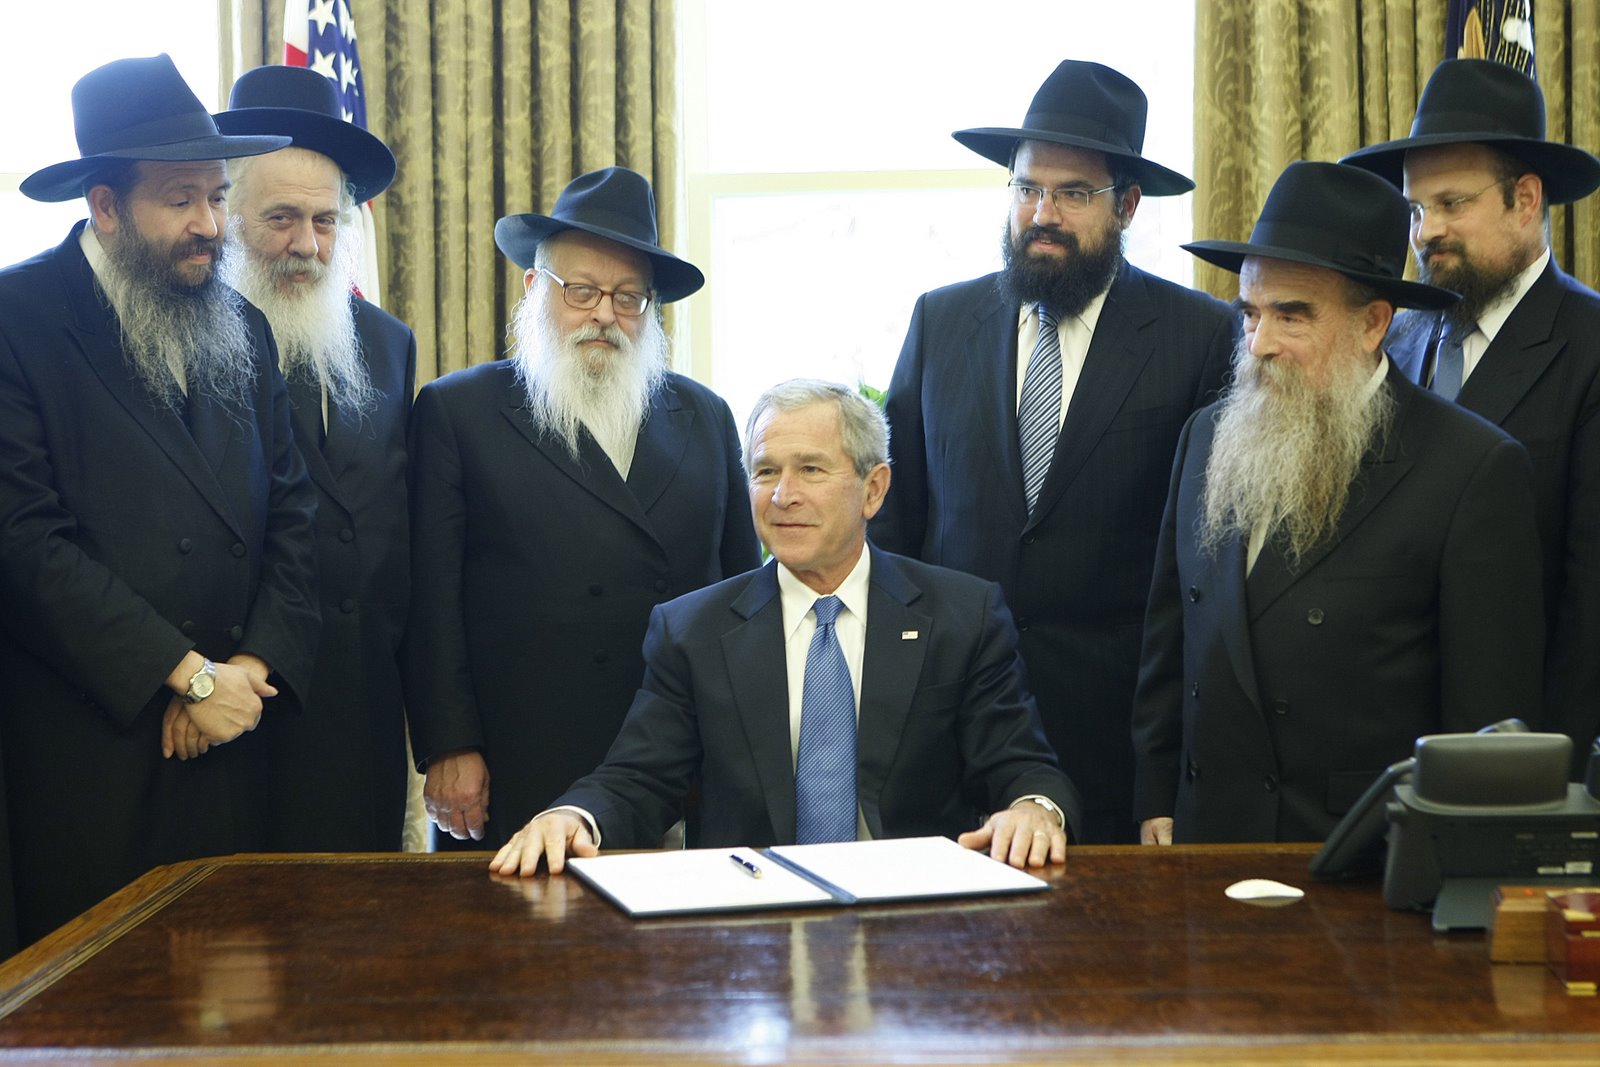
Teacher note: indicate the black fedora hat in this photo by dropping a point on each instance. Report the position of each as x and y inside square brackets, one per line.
[1478, 101]
[1334, 216]
[137, 109]
[1084, 105]
[615, 203]
[300, 103]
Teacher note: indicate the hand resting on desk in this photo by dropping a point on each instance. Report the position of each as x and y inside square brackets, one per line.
[551, 834]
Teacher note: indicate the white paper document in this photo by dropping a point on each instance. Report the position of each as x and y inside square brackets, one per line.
[790, 876]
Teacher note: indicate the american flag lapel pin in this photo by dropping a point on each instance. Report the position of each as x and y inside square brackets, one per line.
[909, 635]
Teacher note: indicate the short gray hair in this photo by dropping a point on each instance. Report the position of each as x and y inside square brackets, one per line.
[862, 427]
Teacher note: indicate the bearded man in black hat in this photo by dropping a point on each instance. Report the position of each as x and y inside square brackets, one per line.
[557, 497]
[158, 562]
[1035, 412]
[339, 771]
[1346, 561]
[1522, 348]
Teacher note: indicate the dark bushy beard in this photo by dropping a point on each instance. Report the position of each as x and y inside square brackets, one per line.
[570, 390]
[162, 315]
[1284, 453]
[1480, 284]
[313, 322]
[1066, 285]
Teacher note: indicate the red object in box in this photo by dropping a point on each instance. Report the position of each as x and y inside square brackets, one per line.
[1572, 937]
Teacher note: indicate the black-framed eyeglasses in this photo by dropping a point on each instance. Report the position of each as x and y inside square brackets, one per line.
[1068, 200]
[1450, 208]
[627, 302]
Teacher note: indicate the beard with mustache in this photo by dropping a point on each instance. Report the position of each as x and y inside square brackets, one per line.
[1480, 283]
[1285, 452]
[175, 317]
[571, 389]
[1066, 285]
[313, 321]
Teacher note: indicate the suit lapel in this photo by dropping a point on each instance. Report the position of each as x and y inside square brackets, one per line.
[1519, 353]
[1234, 611]
[992, 386]
[891, 666]
[1380, 472]
[753, 652]
[305, 403]
[94, 329]
[1117, 356]
[662, 442]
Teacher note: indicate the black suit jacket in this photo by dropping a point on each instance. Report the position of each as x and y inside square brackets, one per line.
[1540, 382]
[1267, 705]
[533, 575]
[126, 540]
[339, 771]
[947, 732]
[1077, 572]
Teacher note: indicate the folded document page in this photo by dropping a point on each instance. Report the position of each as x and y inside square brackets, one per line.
[790, 876]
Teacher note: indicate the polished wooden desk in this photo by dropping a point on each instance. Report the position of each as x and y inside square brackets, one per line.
[1134, 955]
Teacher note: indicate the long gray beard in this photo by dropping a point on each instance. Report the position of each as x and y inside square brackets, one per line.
[202, 328]
[1284, 454]
[313, 322]
[567, 395]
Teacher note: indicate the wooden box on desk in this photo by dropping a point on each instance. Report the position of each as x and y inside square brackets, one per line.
[1572, 939]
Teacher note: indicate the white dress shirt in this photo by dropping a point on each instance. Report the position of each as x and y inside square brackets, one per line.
[1075, 333]
[1476, 343]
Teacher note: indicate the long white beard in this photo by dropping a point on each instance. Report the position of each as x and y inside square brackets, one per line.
[570, 389]
[313, 322]
[1284, 453]
[200, 329]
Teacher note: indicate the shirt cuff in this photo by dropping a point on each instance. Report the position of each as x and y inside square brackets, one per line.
[588, 820]
[1047, 804]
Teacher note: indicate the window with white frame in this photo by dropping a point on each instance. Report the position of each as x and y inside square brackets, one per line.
[56, 44]
[825, 192]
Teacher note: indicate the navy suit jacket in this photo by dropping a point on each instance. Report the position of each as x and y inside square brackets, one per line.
[339, 771]
[947, 732]
[126, 539]
[533, 574]
[1539, 381]
[1076, 573]
[1267, 704]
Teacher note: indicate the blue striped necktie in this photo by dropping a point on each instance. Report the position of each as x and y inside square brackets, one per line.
[1039, 413]
[1450, 364]
[825, 767]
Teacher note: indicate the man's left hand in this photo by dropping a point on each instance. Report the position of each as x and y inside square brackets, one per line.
[1024, 836]
[179, 735]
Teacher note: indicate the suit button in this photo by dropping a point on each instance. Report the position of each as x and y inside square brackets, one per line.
[1271, 783]
[347, 535]
[1281, 707]
[1314, 616]
[236, 632]
[238, 550]
[1030, 539]
[601, 656]
[1194, 690]
[1192, 770]
[186, 546]
[595, 590]
[187, 628]
[347, 605]
[1194, 595]
[661, 585]
[1022, 623]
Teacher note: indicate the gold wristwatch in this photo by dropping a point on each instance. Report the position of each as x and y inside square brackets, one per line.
[202, 684]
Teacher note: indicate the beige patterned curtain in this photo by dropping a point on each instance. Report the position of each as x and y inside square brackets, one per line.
[1281, 80]
[491, 107]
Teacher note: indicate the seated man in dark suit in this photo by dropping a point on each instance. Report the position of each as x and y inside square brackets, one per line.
[752, 685]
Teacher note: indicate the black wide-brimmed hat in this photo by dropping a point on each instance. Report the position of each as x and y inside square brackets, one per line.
[615, 203]
[300, 103]
[1478, 101]
[137, 109]
[1084, 105]
[1339, 217]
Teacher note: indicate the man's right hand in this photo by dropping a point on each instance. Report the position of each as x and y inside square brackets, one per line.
[233, 708]
[551, 834]
[1157, 831]
[456, 793]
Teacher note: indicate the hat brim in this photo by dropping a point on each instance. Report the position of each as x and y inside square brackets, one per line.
[65, 181]
[519, 237]
[996, 143]
[1569, 173]
[365, 160]
[1230, 255]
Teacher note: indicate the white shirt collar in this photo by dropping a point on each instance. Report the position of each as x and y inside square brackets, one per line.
[1089, 316]
[93, 251]
[798, 597]
[1491, 318]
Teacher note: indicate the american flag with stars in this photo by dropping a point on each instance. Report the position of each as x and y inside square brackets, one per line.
[321, 34]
